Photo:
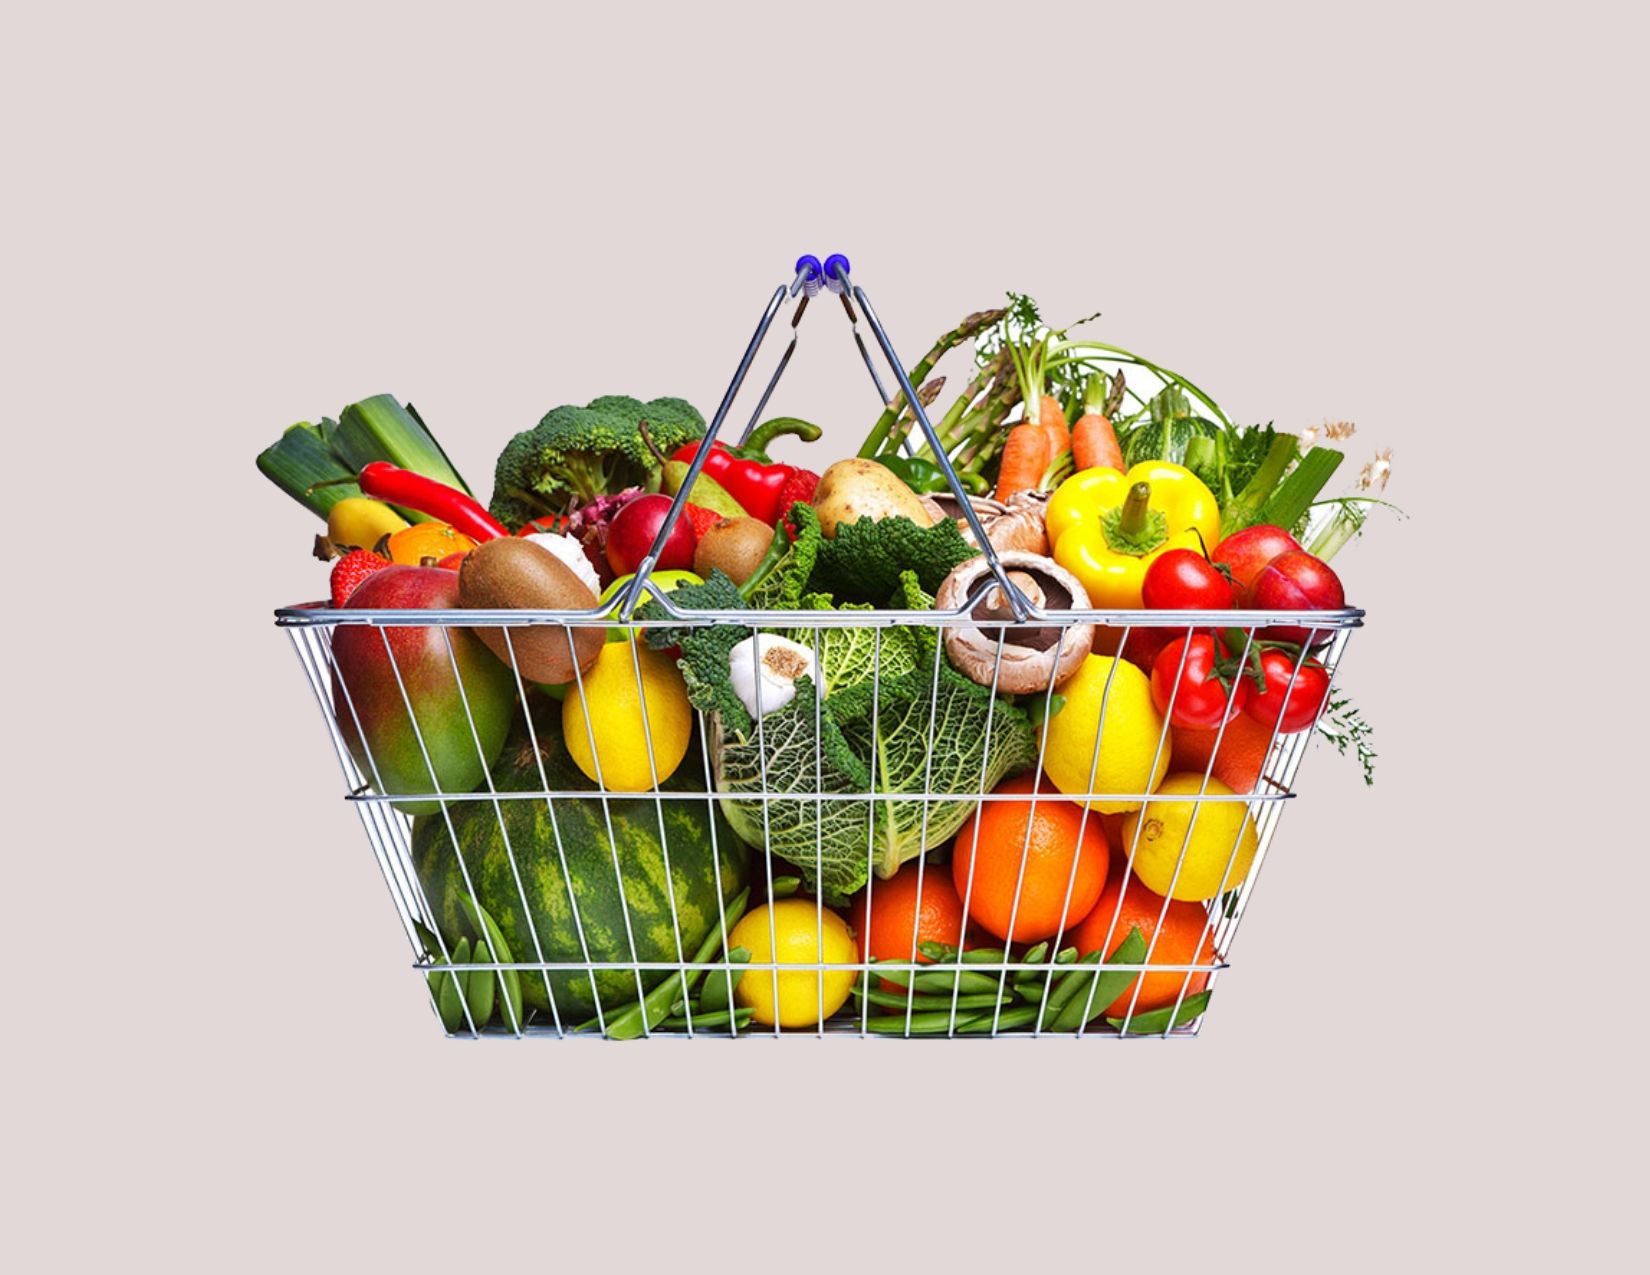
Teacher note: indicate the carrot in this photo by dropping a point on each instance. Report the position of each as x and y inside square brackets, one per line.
[1025, 457]
[1093, 440]
[1052, 417]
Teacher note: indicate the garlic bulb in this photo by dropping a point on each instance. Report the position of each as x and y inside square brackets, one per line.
[571, 552]
[773, 662]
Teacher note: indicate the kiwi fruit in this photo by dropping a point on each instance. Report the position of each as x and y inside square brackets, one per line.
[512, 574]
[735, 546]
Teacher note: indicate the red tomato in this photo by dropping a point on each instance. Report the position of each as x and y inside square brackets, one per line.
[540, 525]
[1296, 581]
[1184, 580]
[1297, 705]
[1198, 700]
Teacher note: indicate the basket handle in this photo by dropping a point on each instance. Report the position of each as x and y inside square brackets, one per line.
[836, 278]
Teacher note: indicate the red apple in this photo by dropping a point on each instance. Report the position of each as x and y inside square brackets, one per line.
[631, 533]
[1245, 552]
[1295, 581]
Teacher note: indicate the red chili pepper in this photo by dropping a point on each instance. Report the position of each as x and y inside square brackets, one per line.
[384, 481]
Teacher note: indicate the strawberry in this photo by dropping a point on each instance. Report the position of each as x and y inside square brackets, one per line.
[799, 486]
[702, 519]
[354, 567]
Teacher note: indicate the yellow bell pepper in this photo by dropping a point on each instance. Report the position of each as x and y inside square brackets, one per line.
[1107, 527]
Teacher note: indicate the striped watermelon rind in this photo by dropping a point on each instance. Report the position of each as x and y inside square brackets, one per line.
[526, 827]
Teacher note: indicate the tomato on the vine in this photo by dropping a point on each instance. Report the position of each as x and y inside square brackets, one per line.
[1184, 580]
[1204, 691]
[1288, 708]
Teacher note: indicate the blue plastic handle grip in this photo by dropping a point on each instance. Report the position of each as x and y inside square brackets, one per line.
[832, 263]
[810, 263]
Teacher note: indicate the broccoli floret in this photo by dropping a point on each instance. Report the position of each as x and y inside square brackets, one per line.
[575, 454]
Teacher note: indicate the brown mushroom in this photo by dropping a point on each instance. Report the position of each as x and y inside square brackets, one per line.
[1018, 525]
[1029, 651]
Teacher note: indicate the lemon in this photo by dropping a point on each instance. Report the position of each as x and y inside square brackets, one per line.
[615, 720]
[1223, 835]
[1134, 754]
[797, 928]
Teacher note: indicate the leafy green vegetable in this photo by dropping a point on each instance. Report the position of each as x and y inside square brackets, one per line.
[864, 561]
[782, 577]
[575, 454]
[886, 721]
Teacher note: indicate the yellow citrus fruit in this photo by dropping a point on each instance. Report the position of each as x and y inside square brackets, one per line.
[615, 721]
[797, 927]
[1134, 754]
[1214, 853]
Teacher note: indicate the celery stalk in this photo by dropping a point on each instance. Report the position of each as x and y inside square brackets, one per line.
[1294, 495]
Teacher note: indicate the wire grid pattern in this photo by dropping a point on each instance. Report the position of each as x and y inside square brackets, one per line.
[315, 632]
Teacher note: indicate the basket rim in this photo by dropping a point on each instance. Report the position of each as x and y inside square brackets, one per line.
[324, 615]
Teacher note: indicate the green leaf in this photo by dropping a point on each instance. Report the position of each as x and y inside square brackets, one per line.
[1158, 1021]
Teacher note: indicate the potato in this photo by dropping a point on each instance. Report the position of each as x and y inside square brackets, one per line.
[853, 489]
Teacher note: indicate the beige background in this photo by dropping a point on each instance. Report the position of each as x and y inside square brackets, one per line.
[1428, 220]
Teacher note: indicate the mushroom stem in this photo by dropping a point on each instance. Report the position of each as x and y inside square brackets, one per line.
[996, 602]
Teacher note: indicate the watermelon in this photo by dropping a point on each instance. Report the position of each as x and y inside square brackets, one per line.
[696, 872]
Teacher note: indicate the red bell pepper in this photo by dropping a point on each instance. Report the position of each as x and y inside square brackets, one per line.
[764, 490]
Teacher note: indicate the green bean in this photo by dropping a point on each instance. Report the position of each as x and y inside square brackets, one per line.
[721, 984]
[658, 1004]
[740, 1017]
[451, 1003]
[1065, 987]
[954, 980]
[1158, 1021]
[481, 987]
[509, 980]
[928, 1024]
[892, 1000]
[1009, 1020]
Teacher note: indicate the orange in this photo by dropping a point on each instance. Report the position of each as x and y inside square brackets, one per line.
[1064, 850]
[1182, 939]
[900, 918]
[432, 540]
[1242, 756]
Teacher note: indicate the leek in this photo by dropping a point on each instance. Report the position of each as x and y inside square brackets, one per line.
[316, 464]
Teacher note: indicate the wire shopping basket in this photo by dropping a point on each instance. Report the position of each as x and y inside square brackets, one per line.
[708, 901]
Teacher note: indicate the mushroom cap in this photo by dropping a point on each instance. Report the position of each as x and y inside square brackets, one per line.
[1029, 651]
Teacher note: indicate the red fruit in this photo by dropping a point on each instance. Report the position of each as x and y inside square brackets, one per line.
[702, 519]
[423, 710]
[1296, 581]
[1187, 687]
[1245, 552]
[354, 567]
[452, 560]
[630, 536]
[1291, 700]
[799, 486]
[1184, 580]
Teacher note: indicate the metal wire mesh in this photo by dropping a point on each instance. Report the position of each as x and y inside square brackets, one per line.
[507, 845]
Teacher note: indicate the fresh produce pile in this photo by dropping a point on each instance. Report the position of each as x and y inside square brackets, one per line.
[995, 812]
